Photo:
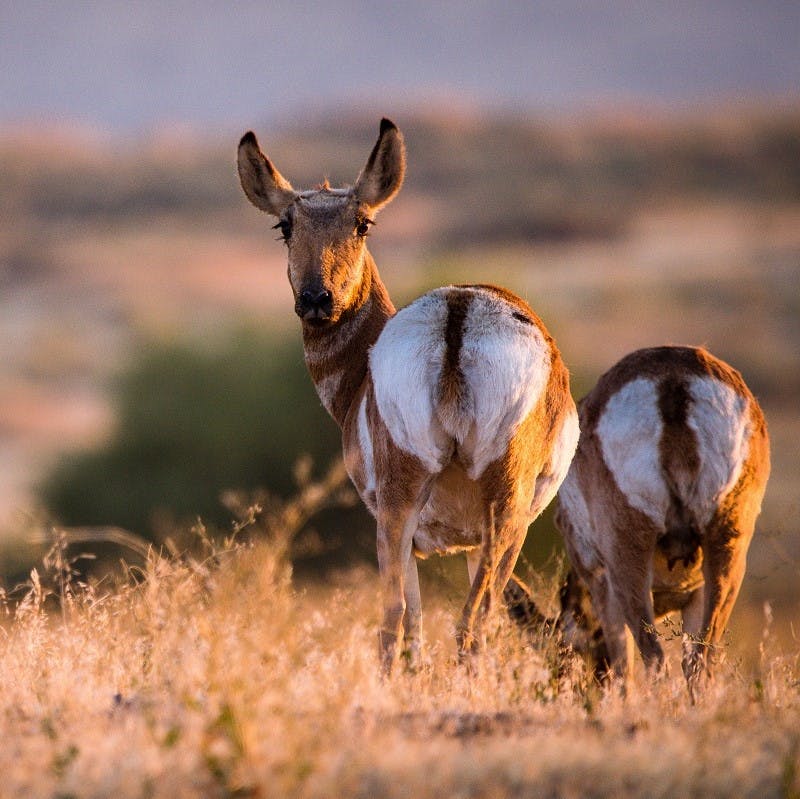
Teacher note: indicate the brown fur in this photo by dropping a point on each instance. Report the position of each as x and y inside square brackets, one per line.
[327, 349]
[511, 298]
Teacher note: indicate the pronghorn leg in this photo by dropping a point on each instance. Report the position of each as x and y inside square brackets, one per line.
[506, 591]
[412, 620]
[480, 563]
[394, 550]
[466, 635]
[692, 631]
[630, 580]
[397, 523]
[723, 570]
[633, 591]
[508, 559]
[616, 634]
[488, 576]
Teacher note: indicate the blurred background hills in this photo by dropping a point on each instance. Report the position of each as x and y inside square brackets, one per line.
[635, 174]
[208, 64]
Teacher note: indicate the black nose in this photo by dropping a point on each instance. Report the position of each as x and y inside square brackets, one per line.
[315, 304]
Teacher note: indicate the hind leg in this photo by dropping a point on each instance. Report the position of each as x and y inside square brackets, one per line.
[632, 592]
[616, 635]
[723, 570]
[624, 606]
[629, 564]
[692, 617]
[395, 538]
[510, 547]
[480, 567]
[490, 570]
[517, 598]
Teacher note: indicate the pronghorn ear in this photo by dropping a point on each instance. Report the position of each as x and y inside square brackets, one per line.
[264, 186]
[382, 177]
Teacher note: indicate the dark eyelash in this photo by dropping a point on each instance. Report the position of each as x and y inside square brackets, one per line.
[363, 226]
[285, 226]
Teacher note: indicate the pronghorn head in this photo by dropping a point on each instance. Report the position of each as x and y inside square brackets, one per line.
[325, 229]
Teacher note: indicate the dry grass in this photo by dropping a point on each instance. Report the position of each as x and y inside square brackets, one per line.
[215, 675]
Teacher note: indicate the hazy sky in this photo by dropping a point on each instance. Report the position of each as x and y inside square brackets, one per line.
[133, 65]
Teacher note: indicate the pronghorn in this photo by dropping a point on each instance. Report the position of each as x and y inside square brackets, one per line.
[457, 420]
[659, 505]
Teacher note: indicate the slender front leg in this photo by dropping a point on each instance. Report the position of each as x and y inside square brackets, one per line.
[400, 502]
[412, 620]
[394, 551]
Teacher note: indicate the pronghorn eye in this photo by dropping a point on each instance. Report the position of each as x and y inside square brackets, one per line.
[362, 229]
[285, 226]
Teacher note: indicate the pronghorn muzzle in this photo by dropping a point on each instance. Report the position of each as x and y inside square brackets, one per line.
[314, 306]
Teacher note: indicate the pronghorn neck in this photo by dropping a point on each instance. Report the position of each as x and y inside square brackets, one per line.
[337, 356]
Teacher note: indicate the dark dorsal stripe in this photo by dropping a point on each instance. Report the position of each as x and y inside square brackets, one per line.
[458, 303]
[451, 382]
[679, 457]
[674, 401]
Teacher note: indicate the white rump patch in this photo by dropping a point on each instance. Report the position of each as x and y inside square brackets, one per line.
[405, 363]
[506, 365]
[630, 430]
[720, 419]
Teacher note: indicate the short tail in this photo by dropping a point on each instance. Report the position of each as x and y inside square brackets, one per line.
[681, 540]
[454, 401]
[454, 406]
[680, 463]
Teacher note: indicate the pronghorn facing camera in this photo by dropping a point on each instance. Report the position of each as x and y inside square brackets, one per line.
[660, 503]
[457, 421]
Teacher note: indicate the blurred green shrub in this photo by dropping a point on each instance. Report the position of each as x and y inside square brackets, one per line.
[194, 422]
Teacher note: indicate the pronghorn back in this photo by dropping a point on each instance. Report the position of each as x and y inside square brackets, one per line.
[667, 481]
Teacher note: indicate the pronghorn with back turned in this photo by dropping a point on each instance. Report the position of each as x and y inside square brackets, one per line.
[457, 421]
[660, 504]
